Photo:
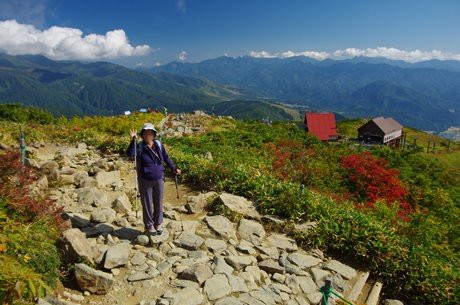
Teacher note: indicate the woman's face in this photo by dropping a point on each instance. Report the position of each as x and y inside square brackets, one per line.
[148, 136]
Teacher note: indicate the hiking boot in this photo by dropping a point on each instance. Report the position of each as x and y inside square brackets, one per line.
[159, 230]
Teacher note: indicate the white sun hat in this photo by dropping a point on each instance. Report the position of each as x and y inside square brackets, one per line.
[148, 126]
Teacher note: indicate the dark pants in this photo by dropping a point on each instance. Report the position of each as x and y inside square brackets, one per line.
[152, 202]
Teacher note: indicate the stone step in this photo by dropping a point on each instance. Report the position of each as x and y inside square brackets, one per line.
[357, 289]
[373, 297]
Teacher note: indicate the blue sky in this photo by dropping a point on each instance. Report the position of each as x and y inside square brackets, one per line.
[160, 31]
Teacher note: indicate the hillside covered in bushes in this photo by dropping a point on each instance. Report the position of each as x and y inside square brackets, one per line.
[395, 211]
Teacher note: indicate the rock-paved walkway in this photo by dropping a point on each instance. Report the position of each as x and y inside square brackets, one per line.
[201, 257]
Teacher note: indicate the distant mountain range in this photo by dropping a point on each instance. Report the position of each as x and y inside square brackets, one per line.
[70, 87]
[425, 95]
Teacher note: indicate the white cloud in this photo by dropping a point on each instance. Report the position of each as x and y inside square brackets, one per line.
[157, 64]
[65, 43]
[182, 55]
[390, 53]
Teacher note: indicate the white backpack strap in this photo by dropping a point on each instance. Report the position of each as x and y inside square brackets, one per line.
[159, 146]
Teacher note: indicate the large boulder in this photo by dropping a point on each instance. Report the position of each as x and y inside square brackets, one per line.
[92, 196]
[117, 255]
[189, 241]
[198, 272]
[222, 226]
[76, 245]
[121, 204]
[238, 205]
[196, 204]
[92, 280]
[251, 231]
[217, 287]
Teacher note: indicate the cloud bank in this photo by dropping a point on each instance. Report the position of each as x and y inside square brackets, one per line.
[61, 43]
[390, 53]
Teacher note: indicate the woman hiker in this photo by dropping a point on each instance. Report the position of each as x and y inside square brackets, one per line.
[150, 176]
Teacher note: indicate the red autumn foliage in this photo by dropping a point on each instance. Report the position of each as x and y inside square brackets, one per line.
[372, 180]
[289, 158]
[15, 182]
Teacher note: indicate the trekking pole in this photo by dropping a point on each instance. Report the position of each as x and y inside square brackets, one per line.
[178, 200]
[136, 188]
[22, 146]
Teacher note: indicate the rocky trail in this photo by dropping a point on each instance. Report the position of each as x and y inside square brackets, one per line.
[201, 257]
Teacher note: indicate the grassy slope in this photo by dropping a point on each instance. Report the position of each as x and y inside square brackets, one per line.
[246, 171]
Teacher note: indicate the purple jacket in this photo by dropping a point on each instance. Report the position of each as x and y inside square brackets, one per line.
[150, 164]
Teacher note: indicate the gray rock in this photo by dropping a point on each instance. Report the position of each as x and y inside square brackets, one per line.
[92, 280]
[239, 205]
[102, 164]
[236, 283]
[86, 182]
[303, 261]
[142, 276]
[186, 296]
[189, 241]
[251, 231]
[117, 255]
[282, 242]
[217, 287]
[92, 196]
[138, 259]
[239, 262]
[142, 240]
[76, 245]
[103, 215]
[220, 266]
[307, 284]
[215, 245]
[314, 297]
[249, 300]
[246, 247]
[271, 266]
[265, 296]
[319, 274]
[272, 252]
[51, 170]
[197, 272]
[196, 204]
[222, 226]
[164, 267]
[99, 229]
[121, 204]
[342, 269]
[184, 284]
[107, 178]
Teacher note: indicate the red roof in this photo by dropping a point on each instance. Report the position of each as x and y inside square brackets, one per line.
[321, 125]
